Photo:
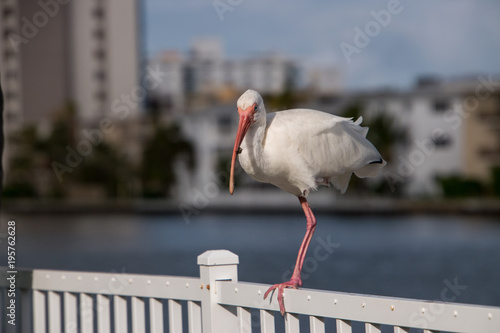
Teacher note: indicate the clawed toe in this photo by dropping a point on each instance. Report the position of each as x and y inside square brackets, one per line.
[281, 287]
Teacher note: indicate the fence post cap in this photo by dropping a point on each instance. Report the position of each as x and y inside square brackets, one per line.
[217, 258]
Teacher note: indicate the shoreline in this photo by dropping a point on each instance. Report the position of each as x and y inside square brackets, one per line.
[361, 207]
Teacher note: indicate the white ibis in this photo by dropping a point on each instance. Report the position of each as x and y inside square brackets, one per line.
[297, 150]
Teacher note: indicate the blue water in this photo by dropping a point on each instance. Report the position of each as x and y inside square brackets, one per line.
[404, 256]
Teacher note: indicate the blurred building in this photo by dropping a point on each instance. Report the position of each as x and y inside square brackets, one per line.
[59, 53]
[204, 77]
[453, 129]
[85, 52]
[482, 133]
[212, 133]
[325, 81]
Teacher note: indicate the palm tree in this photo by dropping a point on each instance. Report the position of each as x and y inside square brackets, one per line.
[159, 156]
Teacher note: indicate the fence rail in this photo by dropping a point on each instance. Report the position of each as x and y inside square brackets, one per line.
[64, 301]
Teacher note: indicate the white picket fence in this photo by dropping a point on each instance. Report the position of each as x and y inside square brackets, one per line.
[65, 301]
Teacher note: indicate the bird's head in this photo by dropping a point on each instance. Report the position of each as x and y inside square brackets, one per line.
[251, 101]
[251, 109]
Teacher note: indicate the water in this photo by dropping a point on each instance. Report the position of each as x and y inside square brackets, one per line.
[410, 256]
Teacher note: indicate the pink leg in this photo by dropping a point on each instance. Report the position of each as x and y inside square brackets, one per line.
[296, 281]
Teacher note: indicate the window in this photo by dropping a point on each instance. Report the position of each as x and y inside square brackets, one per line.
[100, 54]
[100, 75]
[225, 121]
[7, 11]
[98, 12]
[99, 33]
[407, 104]
[441, 139]
[11, 116]
[9, 52]
[10, 74]
[101, 95]
[7, 32]
[441, 105]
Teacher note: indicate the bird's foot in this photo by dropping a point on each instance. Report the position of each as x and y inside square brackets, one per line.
[293, 283]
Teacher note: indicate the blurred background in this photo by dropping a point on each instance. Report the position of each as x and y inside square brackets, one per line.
[120, 117]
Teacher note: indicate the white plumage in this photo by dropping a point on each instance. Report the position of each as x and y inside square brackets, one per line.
[297, 150]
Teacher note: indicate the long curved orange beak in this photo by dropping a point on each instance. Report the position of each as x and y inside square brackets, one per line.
[246, 119]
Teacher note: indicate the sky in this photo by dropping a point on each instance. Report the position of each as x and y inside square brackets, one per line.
[372, 43]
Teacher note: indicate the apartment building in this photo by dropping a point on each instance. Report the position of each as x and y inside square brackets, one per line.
[205, 76]
[54, 53]
[453, 129]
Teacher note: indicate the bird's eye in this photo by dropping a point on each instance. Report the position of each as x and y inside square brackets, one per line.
[255, 107]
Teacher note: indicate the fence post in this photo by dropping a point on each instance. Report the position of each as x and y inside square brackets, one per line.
[215, 266]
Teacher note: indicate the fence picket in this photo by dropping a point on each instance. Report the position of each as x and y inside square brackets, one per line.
[174, 316]
[194, 317]
[156, 315]
[54, 312]
[39, 312]
[266, 321]
[86, 313]
[244, 320]
[343, 326]
[372, 328]
[103, 314]
[316, 324]
[120, 314]
[138, 315]
[70, 312]
[292, 323]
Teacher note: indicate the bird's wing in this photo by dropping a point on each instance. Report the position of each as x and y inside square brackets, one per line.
[331, 146]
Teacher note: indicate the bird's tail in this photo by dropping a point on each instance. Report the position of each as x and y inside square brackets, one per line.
[371, 169]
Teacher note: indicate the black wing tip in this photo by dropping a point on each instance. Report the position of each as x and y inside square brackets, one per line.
[379, 161]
